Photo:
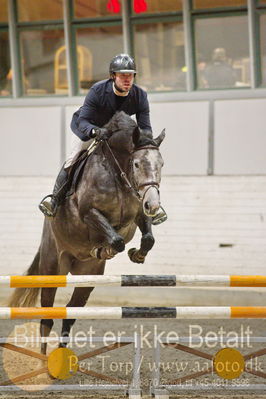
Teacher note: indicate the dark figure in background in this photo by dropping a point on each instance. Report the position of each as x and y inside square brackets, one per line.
[6, 84]
[219, 74]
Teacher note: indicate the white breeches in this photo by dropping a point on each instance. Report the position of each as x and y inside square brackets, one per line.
[77, 145]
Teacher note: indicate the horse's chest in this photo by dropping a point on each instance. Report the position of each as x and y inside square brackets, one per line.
[109, 195]
[119, 207]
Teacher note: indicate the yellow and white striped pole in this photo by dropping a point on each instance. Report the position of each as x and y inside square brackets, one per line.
[133, 281]
[188, 312]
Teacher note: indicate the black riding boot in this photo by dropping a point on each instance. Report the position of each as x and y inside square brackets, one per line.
[160, 217]
[49, 204]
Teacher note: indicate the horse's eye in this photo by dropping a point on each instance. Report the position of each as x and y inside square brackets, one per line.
[136, 164]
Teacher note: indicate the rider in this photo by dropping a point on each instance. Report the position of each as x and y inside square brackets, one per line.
[118, 93]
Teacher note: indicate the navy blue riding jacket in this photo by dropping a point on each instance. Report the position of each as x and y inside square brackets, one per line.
[100, 105]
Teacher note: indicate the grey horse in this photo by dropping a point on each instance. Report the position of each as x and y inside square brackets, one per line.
[118, 192]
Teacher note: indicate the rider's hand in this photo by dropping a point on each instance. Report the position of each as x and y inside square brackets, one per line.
[100, 134]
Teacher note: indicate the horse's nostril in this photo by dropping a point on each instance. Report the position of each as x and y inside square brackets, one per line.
[146, 206]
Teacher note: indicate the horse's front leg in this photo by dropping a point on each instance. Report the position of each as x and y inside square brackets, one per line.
[147, 240]
[111, 242]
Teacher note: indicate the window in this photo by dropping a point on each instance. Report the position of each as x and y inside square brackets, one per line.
[222, 52]
[263, 47]
[39, 65]
[159, 53]
[97, 29]
[156, 6]
[96, 8]
[39, 10]
[158, 44]
[5, 68]
[40, 44]
[219, 39]
[95, 49]
[3, 11]
[204, 4]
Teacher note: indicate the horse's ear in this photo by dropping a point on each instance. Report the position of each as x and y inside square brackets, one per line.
[136, 135]
[160, 138]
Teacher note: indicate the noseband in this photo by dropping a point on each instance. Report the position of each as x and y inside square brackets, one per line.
[124, 177]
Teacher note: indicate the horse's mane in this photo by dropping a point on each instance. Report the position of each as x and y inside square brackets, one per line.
[122, 122]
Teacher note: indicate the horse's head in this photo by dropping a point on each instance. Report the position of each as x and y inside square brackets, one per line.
[142, 159]
[147, 163]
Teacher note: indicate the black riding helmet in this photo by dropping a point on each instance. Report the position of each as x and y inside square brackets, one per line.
[122, 63]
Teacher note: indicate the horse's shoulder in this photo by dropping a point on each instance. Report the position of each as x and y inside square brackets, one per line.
[97, 170]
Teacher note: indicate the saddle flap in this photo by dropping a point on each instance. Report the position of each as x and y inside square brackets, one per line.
[77, 167]
[76, 172]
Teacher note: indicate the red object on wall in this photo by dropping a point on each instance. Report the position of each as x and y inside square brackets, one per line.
[140, 6]
[114, 6]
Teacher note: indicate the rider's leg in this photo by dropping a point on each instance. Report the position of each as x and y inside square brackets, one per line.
[49, 204]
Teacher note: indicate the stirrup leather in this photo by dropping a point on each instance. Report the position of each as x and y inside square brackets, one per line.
[48, 208]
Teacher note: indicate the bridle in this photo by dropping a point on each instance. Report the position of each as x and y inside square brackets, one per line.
[134, 188]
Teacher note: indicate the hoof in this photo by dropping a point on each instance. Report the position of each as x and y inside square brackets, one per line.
[135, 256]
[108, 253]
[103, 253]
[118, 244]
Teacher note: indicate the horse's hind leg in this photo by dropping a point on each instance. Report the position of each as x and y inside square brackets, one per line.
[47, 300]
[81, 294]
[51, 267]
[78, 299]
[48, 266]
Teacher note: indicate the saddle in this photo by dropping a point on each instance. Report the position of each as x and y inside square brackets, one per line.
[77, 168]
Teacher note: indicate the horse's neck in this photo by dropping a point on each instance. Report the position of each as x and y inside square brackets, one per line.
[122, 157]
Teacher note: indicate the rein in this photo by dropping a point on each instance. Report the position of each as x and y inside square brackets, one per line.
[124, 177]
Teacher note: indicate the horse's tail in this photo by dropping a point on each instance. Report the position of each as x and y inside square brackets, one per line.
[26, 297]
